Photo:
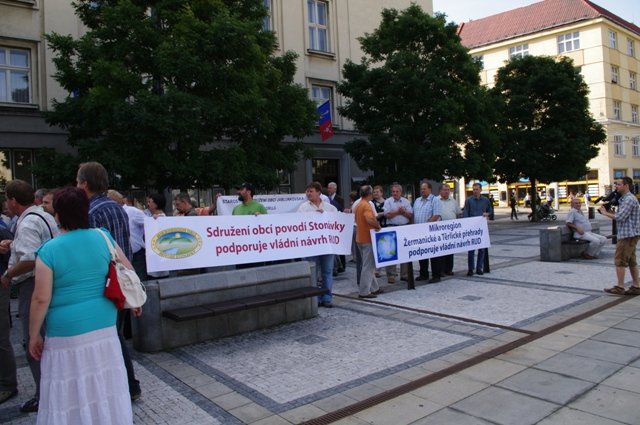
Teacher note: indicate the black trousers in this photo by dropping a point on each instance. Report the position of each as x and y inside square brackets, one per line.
[436, 267]
[447, 263]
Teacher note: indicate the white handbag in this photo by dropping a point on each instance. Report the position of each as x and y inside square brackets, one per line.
[132, 288]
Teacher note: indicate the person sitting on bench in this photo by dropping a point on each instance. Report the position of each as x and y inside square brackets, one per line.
[582, 230]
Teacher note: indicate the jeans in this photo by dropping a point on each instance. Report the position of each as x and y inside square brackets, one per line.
[24, 306]
[8, 379]
[134, 384]
[471, 258]
[139, 264]
[324, 263]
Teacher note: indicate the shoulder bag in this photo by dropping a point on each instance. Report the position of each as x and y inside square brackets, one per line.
[123, 285]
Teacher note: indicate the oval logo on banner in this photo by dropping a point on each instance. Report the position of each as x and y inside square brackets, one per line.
[176, 242]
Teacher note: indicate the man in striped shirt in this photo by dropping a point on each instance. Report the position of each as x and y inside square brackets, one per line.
[104, 212]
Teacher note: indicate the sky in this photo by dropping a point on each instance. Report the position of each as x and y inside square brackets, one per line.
[460, 11]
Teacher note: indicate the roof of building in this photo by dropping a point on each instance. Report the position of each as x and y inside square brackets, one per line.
[534, 18]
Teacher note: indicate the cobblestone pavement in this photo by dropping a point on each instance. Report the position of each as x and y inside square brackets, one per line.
[358, 353]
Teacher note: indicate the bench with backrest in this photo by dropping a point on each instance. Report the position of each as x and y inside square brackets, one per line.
[558, 244]
[190, 309]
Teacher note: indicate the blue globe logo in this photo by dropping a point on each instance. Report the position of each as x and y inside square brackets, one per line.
[176, 243]
[387, 246]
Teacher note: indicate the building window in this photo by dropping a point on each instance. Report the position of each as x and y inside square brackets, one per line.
[634, 114]
[615, 74]
[617, 106]
[318, 25]
[325, 171]
[479, 60]
[613, 39]
[14, 75]
[633, 80]
[635, 145]
[320, 94]
[16, 164]
[519, 51]
[568, 42]
[618, 174]
[636, 181]
[618, 145]
[631, 47]
[266, 21]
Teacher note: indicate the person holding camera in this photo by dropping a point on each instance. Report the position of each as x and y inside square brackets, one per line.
[627, 218]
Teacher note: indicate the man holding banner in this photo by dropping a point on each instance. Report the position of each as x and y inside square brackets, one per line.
[366, 221]
[324, 263]
[427, 209]
[247, 206]
[398, 212]
[476, 206]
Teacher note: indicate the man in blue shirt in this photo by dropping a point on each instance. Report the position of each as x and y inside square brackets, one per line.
[104, 212]
[476, 206]
[426, 209]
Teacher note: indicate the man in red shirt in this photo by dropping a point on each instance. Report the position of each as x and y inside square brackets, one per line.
[365, 221]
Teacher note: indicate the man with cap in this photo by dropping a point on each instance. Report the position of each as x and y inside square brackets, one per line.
[248, 205]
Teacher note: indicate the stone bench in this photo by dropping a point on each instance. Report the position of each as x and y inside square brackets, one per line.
[558, 244]
[190, 309]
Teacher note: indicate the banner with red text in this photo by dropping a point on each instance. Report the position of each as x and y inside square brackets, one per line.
[176, 243]
[275, 204]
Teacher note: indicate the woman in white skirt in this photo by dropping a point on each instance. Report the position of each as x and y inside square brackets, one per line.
[84, 380]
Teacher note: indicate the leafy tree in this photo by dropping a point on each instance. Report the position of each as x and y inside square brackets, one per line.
[55, 169]
[546, 131]
[180, 93]
[417, 95]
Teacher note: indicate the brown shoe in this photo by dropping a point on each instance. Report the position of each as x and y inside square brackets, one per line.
[587, 256]
[378, 292]
[391, 280]
[368, 296]
[616, 290]
[634, 290]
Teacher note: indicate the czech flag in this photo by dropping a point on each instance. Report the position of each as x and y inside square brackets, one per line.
[326, 127]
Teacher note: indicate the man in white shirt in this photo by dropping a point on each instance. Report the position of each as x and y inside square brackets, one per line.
[324, 263]
[136, 236]
[581, 227]
[34, 227]
[449, 210]
[398, 212]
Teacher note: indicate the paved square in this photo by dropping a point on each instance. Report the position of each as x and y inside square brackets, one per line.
[341, 348]
[474, 299]
[589, 276]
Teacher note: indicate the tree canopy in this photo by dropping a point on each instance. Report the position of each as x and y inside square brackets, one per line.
[417, 95]
[180, 93]
[546, 131]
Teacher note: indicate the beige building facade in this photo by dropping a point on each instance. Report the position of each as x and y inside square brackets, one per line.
[322, 32]
[605, 49]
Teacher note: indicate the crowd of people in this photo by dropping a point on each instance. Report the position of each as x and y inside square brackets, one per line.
[53, 249]
[54, 252]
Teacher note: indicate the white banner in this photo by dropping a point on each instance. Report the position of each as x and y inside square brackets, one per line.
[403, 244]
[275, 204]
[176, 243]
